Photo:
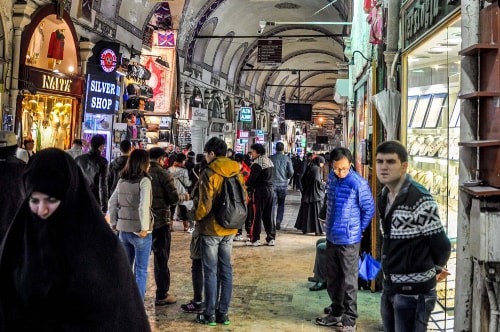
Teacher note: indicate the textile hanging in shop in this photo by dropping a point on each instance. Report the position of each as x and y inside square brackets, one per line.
[376, 25]
[56, 45]
[387, 103]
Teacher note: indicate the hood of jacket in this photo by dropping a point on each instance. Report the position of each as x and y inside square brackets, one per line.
[224, 167]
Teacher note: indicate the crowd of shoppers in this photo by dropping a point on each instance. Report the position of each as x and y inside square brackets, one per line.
[143, 186]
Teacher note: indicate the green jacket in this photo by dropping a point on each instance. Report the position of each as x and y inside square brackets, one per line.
[210, 186]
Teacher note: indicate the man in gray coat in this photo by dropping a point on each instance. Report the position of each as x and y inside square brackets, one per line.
[283, 171]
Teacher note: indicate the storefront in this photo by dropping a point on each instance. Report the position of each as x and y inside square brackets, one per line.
[431, 110]
[50, 82]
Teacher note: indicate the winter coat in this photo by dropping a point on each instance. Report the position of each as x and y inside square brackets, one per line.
[12, 195]
[210, 187]
[261, 173]
[350, 208]
[114, 172]
[415, 246]
[164, 194]
[181, 179]
[95, 170]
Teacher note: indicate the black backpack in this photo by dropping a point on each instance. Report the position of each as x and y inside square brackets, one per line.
[231, 210]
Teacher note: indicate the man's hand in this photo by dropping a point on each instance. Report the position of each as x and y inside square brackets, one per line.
[142, 234]
[443, 275]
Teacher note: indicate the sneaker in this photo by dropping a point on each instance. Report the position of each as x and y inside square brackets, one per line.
[347, 328]
[190, 230]
[206, 319]
[170, 299]
[271, 243]
[238, 237]
[253, 244]
[192, 306]
[329, 320]
[222, 318]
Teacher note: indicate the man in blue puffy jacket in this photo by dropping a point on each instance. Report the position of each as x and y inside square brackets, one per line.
[350, 208]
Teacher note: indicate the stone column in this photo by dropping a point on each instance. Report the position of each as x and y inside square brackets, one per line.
[85, 53]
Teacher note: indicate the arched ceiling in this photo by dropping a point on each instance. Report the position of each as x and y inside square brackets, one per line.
[217, 43]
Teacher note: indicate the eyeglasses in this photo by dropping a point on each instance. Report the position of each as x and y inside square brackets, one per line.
[342, 170]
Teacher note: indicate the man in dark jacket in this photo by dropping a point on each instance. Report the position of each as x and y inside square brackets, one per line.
[415, 247]
[11, 171]
[95, 169]
[260, 184]
[117, 165]
[164, 195]
[350, 208]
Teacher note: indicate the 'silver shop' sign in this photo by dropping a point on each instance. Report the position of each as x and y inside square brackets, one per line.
[422, 15]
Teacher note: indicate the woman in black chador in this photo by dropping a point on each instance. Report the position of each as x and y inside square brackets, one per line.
[312, 198]
[61, 266]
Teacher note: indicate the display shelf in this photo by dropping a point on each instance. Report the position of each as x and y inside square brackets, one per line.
[480, 191]
[478, 94]
[477, 49]
[480, 143]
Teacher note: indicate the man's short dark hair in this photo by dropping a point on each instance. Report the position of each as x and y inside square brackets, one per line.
[217, 146]
[199, 158]
[180, 157]
[156, 153]
[396, 147]
[259, 148]
[97, 141]
[340, 153]
[125, 146]
[280, 147]
[239, 157]
[78, 141]
[28, 140]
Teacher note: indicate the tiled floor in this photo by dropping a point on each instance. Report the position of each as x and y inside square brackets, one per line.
[270, 286]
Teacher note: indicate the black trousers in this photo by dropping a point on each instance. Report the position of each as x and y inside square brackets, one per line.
[342, 280]
[162, 239]
[262, 214]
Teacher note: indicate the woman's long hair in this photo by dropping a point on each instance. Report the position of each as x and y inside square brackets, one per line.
[136, 166]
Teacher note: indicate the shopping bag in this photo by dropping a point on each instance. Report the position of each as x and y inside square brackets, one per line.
[368, 267]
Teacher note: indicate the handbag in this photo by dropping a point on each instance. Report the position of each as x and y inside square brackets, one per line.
[368, 267]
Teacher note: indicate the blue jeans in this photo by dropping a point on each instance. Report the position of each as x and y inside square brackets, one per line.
[138, 249]
[218, 272]
[279, 203]
[402, 312]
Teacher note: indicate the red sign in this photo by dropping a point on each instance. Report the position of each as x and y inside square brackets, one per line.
[107, 60]
[242, 134]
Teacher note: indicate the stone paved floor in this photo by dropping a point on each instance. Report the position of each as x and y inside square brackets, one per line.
[270, 286]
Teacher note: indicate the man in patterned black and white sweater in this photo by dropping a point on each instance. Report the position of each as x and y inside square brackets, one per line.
[415, 247]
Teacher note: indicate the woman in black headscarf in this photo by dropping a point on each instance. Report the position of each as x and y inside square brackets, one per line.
[312, 198]
[61, 266]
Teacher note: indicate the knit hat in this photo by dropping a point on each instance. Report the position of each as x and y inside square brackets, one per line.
[46, 174]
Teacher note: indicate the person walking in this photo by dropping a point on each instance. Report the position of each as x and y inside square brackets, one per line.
[283, 171]
[61, 266]
[117, 165]
[415, 246]
[11, 171]
[261, 186]
[312, 198]
[95, 169]
[216, 241]
[130, 214]
[350, 208]
[164, 195]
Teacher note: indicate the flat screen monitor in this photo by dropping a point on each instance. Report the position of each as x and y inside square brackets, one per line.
[321, 139]
[298, 112]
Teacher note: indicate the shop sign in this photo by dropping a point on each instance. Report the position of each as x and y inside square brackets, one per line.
[107, 60]
[269, 51]
[240, 146]
[199, 114]
[59, 84]
[245, 114]
[101, 96]
[420, 16]
[242, 134]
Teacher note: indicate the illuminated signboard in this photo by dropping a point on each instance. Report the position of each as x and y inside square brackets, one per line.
[245, 114]
[101, 96]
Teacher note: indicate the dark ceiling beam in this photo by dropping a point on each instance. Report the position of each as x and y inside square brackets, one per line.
[296, 70]
[274, 36]
[302, 86]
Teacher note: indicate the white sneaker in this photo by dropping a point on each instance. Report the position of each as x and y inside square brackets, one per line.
[271, 243]
[238, 238]
[254, 244]
[190, 230]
